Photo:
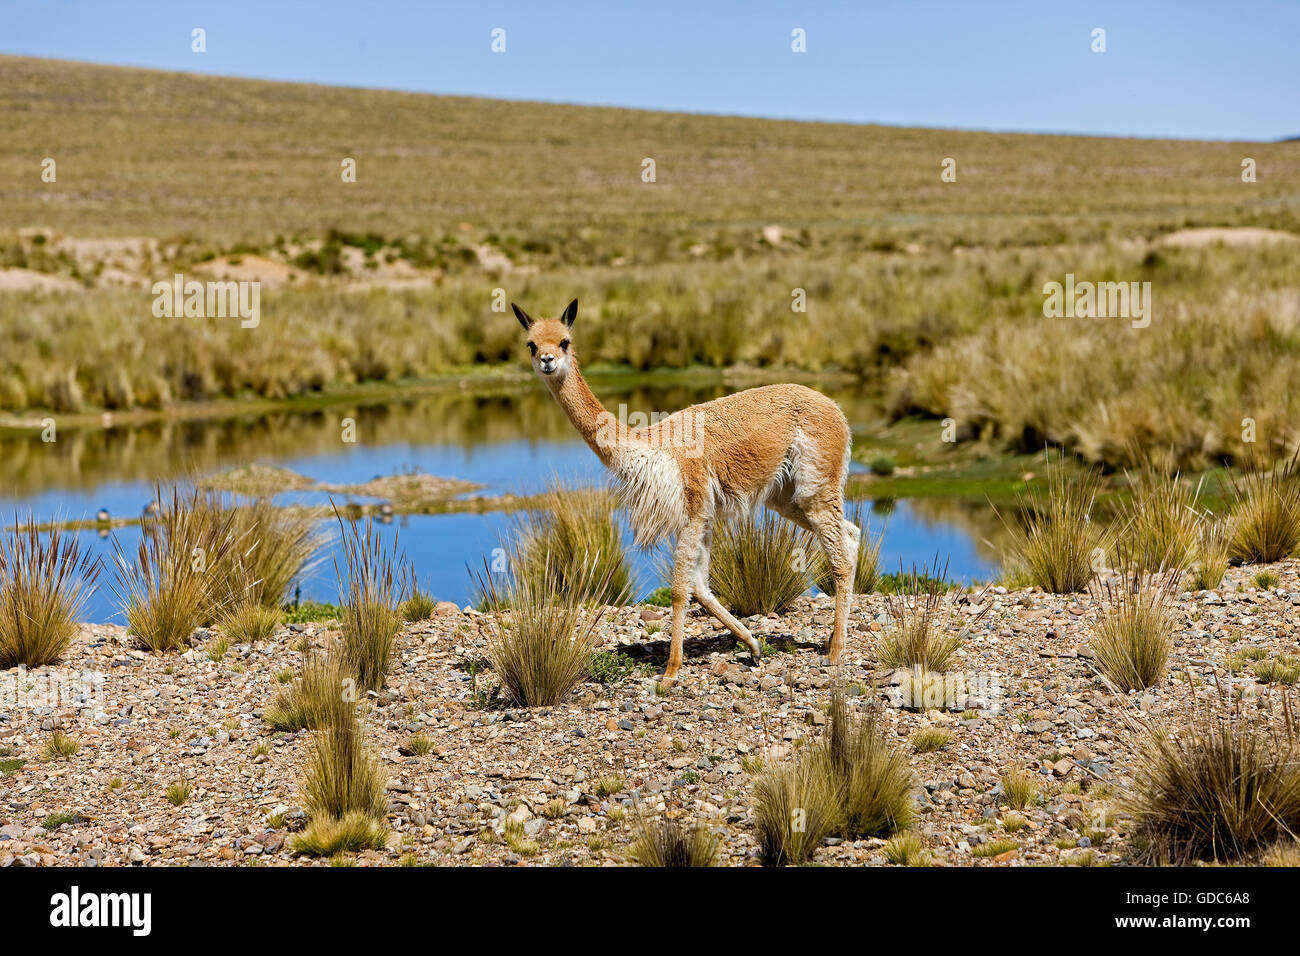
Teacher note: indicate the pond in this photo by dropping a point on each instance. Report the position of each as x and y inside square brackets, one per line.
[512, 440]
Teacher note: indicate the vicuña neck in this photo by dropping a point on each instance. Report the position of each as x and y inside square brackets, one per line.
[585, 411]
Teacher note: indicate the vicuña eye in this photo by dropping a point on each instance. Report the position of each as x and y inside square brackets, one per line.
[532, 348]
[564, 346]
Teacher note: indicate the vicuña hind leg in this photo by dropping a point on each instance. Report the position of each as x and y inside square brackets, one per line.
[684, 560]
[702, 593]
[839, 539]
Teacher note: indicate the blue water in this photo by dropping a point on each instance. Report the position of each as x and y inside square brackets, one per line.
[442, 548]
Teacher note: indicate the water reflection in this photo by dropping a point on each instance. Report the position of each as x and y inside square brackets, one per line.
[509, 441]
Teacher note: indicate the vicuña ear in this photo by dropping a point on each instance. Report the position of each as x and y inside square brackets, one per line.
[570, 313]
[524, 318]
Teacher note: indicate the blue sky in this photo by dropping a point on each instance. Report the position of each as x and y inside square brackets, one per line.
[1228, 70]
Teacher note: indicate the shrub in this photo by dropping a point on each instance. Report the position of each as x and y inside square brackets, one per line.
[1266, 517]
[881, 464]
[1056, 541]
[1282, 669]
[574, 538]
[611, 667]
[866, 577]
[45, 581]
[1214, 786]
[1266, 580]
[1135, 631]
[670, 843]
[930, 739]
[370, 621]
[759, 565]
[541, 644]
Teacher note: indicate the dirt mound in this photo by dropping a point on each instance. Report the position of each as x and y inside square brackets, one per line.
[252, 269]
[26, 280]
[1228, 236]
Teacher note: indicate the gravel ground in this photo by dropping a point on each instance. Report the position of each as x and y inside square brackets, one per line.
[1034, 703]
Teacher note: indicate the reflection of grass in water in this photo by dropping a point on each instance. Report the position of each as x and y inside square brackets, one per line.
[87, 454]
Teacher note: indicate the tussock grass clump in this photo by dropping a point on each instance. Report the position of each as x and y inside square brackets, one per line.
[930, 739]
[178, 792]
[1213, 554]
[573, 539]
[1266, 513]
[914, 637]
[328, 837]
[1135, 632]
[1215, 786]
[670, 843]
[1057, 540]
[995, 847]
[1160, 525]
[907, 849]
[248, 621]
[322, 694]
[853, 783]
[877, 781]
[277, 546]
[866, 576]
[1019, 789]
[1282, 669]
[1283, 853]
[368, 595]
[759, 565]
[61, 746]
[419, 604]
[344, 791]
[343, 777]
[181, 575]
[543, 640]
[45, 581]
[798, 807]
[1266, 580]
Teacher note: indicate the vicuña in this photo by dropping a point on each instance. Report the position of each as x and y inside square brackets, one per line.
[782, 446]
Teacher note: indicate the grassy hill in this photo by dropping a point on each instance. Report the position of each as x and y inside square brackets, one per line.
[392, 277]
[234, 160]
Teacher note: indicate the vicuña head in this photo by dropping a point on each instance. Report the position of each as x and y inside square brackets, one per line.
[550, 341]
[785, 447]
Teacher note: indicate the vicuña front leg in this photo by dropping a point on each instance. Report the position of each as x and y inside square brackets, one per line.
[688, 548]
